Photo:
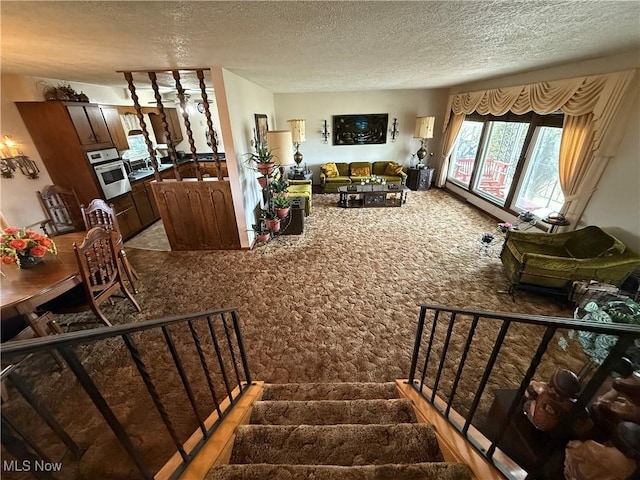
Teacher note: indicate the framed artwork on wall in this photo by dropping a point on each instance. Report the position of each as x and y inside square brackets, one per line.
[261, 129]
[364, 129]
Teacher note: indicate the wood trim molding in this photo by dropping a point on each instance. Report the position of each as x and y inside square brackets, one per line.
[455, 448]
[217, 450]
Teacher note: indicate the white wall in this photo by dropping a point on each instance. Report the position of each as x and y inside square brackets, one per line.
[615, 205]
[238, 100]
[18, 200]
[405, 105]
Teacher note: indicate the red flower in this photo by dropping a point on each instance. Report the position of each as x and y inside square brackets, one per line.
[38, 251]
[7, 260]
[18, 243]
[11, 230]
[37, 236]
[45, 242]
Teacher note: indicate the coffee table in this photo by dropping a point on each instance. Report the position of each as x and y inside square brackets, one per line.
[359, 196]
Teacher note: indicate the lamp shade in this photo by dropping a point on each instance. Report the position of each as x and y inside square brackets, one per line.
[424, 127]
[297, 129]
[279, 142]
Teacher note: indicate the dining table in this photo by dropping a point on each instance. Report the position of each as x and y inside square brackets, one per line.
[23, 290]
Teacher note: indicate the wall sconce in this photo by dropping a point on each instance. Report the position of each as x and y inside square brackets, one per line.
[11, 157]
[325, 133]
[423, 131]
[394, 130]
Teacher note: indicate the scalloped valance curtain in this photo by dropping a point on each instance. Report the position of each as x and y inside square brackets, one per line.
[590, 104]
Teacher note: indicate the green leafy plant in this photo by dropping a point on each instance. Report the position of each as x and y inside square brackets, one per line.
[260, 228]
[262, 155]
[268, 214]
[598, 345]
[281, 202]
[279, 186]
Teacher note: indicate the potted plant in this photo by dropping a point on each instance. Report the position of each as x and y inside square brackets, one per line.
[263, 158]
[281, 205]
[263, 181]
[263, 234]
[279, 188]
[271, 220]
[24, 247]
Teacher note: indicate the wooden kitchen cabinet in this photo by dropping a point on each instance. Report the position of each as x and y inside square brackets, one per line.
[90, 126]
[143, 203]
[54, 134]
[127, 215]
[173, 124]
[118, 135]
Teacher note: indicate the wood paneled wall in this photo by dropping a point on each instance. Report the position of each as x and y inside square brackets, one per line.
[197, 215]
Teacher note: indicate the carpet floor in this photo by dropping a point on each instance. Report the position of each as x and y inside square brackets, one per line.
[338, 303]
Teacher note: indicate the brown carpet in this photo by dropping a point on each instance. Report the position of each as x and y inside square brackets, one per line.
[338, 303]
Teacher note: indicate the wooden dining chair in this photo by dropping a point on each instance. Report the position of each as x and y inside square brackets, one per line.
[100, 214]
[62, 208]
[98, 262]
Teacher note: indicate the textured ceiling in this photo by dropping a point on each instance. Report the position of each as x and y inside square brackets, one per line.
[313, 46]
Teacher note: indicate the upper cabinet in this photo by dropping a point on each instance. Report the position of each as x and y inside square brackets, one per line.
[90, 126]
[118, 135]
[173, 124]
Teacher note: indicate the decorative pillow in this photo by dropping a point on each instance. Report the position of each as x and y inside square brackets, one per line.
[360, 172]
[393, 169]
[330, 170]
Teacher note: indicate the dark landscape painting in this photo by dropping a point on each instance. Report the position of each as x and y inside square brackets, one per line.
[363, 129]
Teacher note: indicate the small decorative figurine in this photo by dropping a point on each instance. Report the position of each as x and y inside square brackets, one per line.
[546, 403]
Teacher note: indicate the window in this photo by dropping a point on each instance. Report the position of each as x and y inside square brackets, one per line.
[511, 161]
[464, 152]
[540, 190]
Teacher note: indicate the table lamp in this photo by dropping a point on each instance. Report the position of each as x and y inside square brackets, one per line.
[279, 143]
[297, 132]
[423, 131]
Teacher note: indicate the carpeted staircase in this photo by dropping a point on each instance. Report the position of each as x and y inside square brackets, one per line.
[330, 431]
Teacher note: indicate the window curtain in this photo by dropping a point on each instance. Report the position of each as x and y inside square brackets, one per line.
[449, 139]
[590, 104]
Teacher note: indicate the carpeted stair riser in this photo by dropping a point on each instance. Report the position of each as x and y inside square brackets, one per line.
[333, 412]
[335, 444]
[417, 471]
[329, 391]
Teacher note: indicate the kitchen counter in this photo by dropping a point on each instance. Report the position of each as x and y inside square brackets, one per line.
[166, 164]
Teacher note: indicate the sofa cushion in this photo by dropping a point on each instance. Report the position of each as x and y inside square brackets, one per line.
[592, 242]
[361, 172]
[330, 170]
[393, 169]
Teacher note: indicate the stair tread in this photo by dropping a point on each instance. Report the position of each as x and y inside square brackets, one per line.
[336, 444]
[331, 412]
[329, 391]
[415, 471]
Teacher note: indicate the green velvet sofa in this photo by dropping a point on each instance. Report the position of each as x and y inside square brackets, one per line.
[345, 177]
[555, 261]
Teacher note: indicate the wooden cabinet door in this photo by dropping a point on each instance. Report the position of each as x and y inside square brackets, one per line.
[81, 124]
[118, 135]
[173, 124]
[90, 126]
[98, 125]
[142, 203]
[152, 199]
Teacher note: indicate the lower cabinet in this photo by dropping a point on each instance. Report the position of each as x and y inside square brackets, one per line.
[127, 215]
[146, 211]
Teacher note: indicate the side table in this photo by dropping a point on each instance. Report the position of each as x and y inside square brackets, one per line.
[300, 175]
[419, 178]
[556, 222]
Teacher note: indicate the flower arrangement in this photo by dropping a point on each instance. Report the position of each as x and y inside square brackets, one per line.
[504, 227]
[488, 237]
[24, 247]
